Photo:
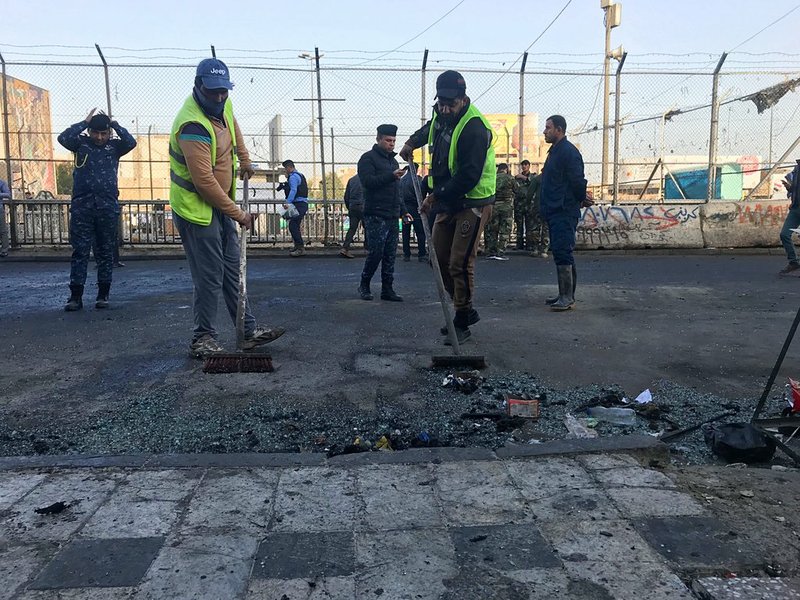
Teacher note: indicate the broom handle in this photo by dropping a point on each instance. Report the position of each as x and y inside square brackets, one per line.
[243, 232]
[437, 271]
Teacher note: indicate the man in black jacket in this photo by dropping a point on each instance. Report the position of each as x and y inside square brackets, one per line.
[379, 173]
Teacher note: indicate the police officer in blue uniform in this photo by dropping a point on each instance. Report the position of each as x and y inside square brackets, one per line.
[94, 210]
[379, 174]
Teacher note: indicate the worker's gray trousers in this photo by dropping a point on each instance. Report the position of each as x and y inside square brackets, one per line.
[213, 255]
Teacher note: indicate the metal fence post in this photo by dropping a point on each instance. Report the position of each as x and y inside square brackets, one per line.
[617, 125]
[712, 141]
[322, 150]
[423, 106]
[521, 123]
[7, 148]
[108, 82]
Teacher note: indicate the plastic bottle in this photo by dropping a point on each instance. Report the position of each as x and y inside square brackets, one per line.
[617, 416]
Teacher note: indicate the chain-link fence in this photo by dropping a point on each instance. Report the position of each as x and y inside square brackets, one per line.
[323, 114]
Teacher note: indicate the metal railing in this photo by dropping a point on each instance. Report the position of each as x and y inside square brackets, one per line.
[150, 223]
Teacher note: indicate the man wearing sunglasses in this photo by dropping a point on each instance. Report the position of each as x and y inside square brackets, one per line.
[460, 188]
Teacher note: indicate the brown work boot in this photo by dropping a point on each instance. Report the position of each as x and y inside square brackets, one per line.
[345, 252]
[792, 266]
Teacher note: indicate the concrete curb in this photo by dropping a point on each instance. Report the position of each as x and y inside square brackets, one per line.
[641, 445]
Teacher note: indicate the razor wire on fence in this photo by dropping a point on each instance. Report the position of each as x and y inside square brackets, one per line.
[660, 142]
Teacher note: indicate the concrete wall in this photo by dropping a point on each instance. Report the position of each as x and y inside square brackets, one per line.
[717, 224]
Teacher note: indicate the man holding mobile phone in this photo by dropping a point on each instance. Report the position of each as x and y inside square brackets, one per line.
[379, 174]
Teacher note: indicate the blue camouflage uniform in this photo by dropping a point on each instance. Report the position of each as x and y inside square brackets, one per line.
[94, 209]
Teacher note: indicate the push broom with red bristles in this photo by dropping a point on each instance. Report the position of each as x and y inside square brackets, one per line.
[240, 361]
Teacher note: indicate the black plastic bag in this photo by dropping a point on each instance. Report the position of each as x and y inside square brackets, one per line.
[740, 442]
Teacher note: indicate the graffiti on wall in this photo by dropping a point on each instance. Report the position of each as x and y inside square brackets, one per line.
[602, 225]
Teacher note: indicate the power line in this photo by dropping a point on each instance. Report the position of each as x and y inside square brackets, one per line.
[763, 29]
[526, 49]
[418, 35]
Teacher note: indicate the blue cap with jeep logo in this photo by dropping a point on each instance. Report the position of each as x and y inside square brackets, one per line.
[214, 74]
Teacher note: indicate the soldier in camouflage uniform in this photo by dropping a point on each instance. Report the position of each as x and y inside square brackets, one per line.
[521, 203]
[498, 229]
[537, 238]
[94, 210]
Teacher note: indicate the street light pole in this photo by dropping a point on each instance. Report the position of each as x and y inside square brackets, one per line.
[612, 18]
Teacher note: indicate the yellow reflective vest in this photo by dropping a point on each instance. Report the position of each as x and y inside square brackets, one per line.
[487, 184]
[183, 197]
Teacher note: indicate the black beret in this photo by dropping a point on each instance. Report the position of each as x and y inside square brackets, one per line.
[387, 129]
[100, 123]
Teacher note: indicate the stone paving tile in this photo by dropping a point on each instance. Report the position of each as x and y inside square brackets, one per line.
[81, 491]
[121, 517]
[99, 563]
[746, 588]
[699, 542]
[649, 502]
[634, 477]
[323, 588]
[426, 559]
[616, 542]
[595, 462]
[398, 497]
[192, 567]
[479, 493]
[543, 584]
[540, 478]
[113, 593]
[294, 555]
[315, 499]
[19, 563]
[632, 581]
[478, 581]
[575, 505]
[503, 547]
[169, 484]
[14, 486]
[232, 500]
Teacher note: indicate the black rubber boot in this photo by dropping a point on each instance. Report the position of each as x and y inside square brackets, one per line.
[364, 291]
[554, 299]
[566, 300]
[75, 301]
[388, 293]
[102, 295]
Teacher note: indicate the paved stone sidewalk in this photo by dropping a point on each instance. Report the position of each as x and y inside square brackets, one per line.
[598, 526]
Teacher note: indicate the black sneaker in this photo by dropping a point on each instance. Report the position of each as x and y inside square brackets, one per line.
[792, 266]
[364, 292]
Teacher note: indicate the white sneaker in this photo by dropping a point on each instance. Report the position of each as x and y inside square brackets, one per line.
[205, 346]
[503, 257]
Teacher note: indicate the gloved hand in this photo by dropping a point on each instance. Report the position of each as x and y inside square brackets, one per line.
[281, 187]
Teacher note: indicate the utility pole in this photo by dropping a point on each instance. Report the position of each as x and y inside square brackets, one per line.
[613, 17]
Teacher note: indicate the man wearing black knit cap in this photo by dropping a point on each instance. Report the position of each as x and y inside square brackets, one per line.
[461, 189]
[94, 208]
[379, 173]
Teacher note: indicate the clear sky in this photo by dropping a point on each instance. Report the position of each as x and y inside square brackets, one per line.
[678, 26]
[660, 35]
